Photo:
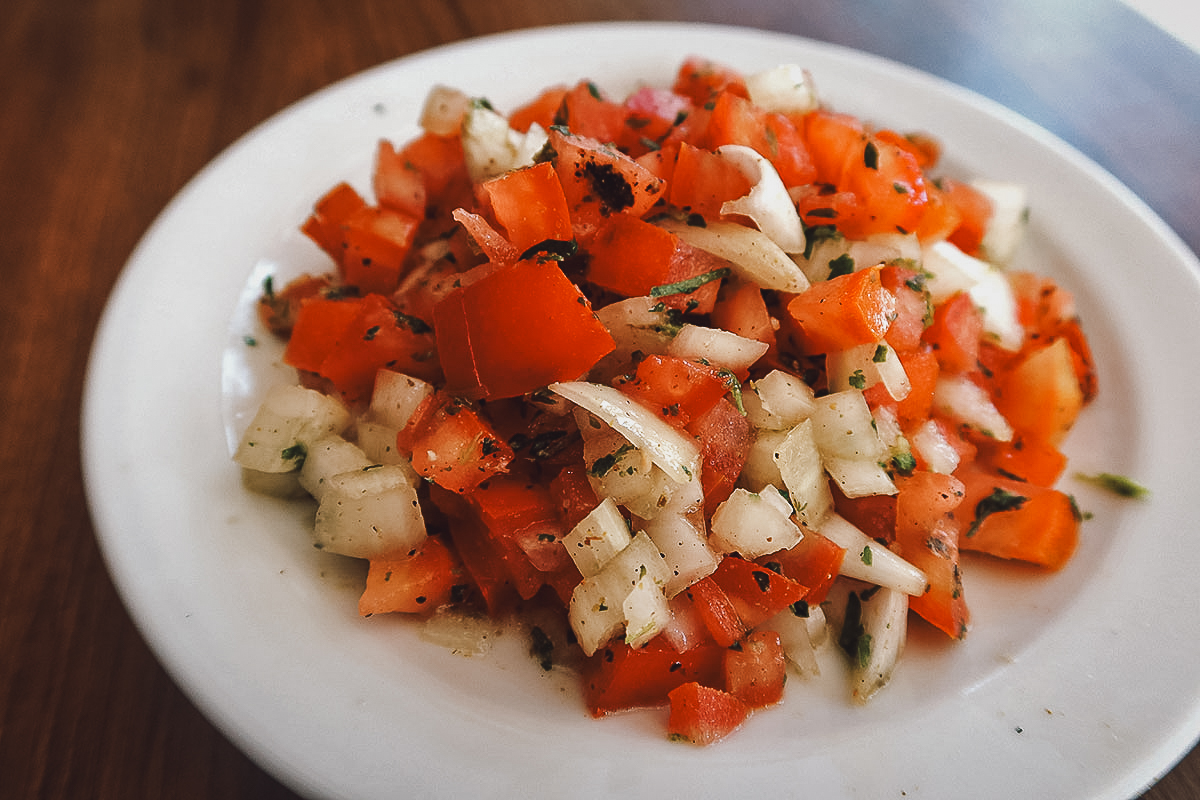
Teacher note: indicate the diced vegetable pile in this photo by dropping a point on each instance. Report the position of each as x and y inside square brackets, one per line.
[716, 372]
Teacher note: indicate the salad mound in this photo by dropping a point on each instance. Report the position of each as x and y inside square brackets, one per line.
[715, 374]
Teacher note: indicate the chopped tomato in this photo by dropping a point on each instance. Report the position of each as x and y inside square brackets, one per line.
[541, 110]
[634, 258]
[516, 330]
[844, 312]
[417, 582]
[974, 210]
[586, 111]
[1014, 519]
[703, 715]
[675, 388]
[927, 536]
[398, 182]
[456, 448]
[755, 592]
[375, 242]
[599, 181]
[699, 79]
[725, 439]
[814, 562]
[620, 677]
[755, 669]
[955, 334]
[1040, 395]
[735, 120]
[716, 611]
[530, 206]
[740, 309]
[277, 310]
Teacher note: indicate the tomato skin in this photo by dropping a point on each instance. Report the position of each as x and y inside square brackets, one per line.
[619, 677]
[329, 212]
[456, 448]
[515, 330]
[413, 583]
[699, 79]
[704, 715]
[755, 592]
[675, 388]
[843, 312]
[725, 439]
[814, 562]
[529, 204]
[523, 513]
[755, 670]
[1042, 529]
[375, 242]
[927, 536]
[955, 334]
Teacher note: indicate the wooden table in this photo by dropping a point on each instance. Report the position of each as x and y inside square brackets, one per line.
[110, 106]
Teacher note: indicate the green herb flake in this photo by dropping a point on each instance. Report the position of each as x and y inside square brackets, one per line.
[414, 324]
[601, 466]
[871, 156]
[881, 354]
[1117, 484]
[866, 556]
[689, 285]
[249, 341]
[371, 333]
[857, 379]
[842, 265]
[999, 500]
[541, 647]
[904, 463]
[296, 452]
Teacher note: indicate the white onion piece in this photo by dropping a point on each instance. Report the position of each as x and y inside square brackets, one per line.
[718, 347]
[767, 202]
[676, 454]
[884, 619]
[868, 560]
[443, 111]
[930, 442]
[787, 88]
[491, 147]
[962, 400]
[751, 253]
[1010, 214]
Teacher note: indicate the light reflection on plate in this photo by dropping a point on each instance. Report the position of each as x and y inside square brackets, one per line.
[1074, 684]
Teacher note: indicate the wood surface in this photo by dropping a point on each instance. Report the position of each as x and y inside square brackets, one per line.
[107, 107]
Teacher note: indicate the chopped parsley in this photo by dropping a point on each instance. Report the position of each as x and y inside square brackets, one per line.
[857, 379]
[998, 500]
[842, 265]
[871, 156]
[601, 466]
[881, 354]
[1117, 484]
[414, 324]
[689, 285]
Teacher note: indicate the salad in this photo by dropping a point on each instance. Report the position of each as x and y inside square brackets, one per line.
[711, 375]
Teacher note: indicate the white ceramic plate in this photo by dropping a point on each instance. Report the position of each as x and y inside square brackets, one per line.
[1076, 684]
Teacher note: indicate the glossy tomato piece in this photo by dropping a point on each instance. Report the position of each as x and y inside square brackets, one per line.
[755, 592]
[419, 582]
[704, 715]
[677, 389]
[457, 448]
[619, 677]
[755, 669]
[515, 330]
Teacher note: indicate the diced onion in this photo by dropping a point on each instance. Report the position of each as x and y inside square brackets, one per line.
[751, 252]
[767, 202]
[677, 454]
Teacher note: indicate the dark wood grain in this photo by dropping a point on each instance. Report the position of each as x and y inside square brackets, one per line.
[109, 107]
